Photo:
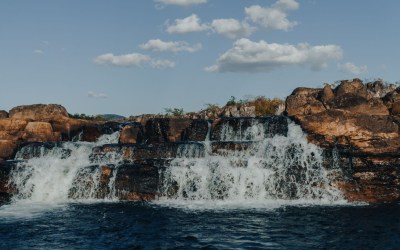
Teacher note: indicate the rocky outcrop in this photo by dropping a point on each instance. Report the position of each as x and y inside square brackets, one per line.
[356, 124]
[42, 123]
[38, 112]
[361, 122]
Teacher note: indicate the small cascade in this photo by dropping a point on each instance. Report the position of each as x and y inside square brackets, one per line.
[57, 172]
[280, 167]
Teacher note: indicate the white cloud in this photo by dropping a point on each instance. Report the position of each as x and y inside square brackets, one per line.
[132, 60]
[92, 94]
[181, 2]
[249, 56]
[161, 46]
[38, 51]
[162, 64]
[232, 28]
[352, 69]
[274, 17]
[287, 5]
[189, 24]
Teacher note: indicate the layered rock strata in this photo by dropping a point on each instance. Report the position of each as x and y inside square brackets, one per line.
[361, 122]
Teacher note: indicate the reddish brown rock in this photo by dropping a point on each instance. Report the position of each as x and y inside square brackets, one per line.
[304, 101]
[40, 132]
[327, 94]
[12, 126]
[7, 148]
[131, 134]
[38, 112]
[353, 87]
[357, 122]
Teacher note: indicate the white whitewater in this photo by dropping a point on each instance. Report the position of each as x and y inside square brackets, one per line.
[46, 180]
[267, 173]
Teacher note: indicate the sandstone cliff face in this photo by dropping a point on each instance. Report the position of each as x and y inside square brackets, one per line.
[360, 121]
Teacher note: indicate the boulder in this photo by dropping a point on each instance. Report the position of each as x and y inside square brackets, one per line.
[327, 94]
[304, 101]
[12, 126]
[38, 112]
[353, 87]
[40, 132]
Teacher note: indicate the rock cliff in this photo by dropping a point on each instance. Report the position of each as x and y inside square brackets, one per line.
[360, 121]
[356, 124]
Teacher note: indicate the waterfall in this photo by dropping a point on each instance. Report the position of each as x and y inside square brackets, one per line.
[241, 161]
[55, 173]
[266, 168]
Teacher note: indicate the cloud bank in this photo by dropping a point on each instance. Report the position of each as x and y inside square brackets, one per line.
[133, 60]
[232, 28]
[191, 23]
[249, 56]
[178, 46]
[274, 17]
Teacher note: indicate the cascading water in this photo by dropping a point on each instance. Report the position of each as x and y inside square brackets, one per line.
[55, 174]
[265, 169]
[244, 161]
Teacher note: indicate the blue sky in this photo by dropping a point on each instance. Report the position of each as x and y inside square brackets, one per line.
[134, 57]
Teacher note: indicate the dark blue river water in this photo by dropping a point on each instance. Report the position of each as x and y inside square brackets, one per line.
[130, 225]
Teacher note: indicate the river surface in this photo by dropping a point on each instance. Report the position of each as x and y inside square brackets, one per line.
[139, 225]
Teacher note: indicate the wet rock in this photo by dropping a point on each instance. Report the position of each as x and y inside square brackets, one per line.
[242, 128]
[31, 150]
[91, 133]
[137, 182]
[197, 131]
[6, 190]
[161, 130]
[132, 152]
